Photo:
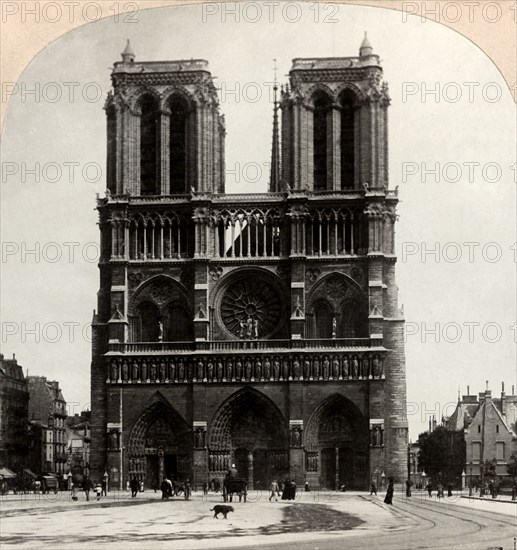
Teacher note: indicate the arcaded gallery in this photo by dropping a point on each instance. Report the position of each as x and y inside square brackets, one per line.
[257, 329]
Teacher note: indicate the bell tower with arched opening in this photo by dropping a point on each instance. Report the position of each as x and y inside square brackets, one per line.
[261, 329]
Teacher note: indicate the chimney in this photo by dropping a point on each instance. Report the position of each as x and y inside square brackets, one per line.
[503, 400]
[468, 390]
[430, 430]
[434, 423]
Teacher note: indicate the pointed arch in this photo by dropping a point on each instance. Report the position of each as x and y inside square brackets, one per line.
[164, 300]
[354, 430]
[179, 108]
[148, 106]
[348, 305]
[321, 138]
[228, 421]
[337, 438]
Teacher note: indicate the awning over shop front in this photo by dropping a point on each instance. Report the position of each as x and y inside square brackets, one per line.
[6, 473]
[29, 472]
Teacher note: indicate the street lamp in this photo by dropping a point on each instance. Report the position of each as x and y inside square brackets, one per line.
[470, 482]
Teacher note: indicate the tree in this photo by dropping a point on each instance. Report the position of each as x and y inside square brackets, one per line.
[442, 453]
[511, 466]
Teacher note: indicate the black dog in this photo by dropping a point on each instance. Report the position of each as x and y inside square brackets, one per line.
[221, 509]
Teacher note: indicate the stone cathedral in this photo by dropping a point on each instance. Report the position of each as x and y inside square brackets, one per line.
[256, 329]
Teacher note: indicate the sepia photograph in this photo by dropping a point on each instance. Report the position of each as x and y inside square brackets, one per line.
[258, 275]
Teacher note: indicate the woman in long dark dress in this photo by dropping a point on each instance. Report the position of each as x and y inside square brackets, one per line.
[389, 493]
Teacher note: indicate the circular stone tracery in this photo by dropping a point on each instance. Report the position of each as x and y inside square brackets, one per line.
[251, 308]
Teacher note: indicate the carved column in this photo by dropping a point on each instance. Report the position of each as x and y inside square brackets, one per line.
[165, 155]
[250, 469]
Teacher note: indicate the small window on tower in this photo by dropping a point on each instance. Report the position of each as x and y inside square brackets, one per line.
[497, 428]
[479, 429]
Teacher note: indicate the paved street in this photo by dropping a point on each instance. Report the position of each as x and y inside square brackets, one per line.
[314, 521]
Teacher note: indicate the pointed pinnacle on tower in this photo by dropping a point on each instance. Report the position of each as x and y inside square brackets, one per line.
[366, 47]
[274, 180]
[128, 55]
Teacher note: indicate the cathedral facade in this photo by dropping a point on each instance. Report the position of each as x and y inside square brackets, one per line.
[255, 329]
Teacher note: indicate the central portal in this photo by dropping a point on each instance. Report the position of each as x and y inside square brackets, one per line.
[250, 428]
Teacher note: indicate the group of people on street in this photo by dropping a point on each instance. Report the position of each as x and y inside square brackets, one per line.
[100, 488]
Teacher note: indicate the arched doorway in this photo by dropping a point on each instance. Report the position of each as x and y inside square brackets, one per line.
[159, 445]
[249, 430]
[338, 433]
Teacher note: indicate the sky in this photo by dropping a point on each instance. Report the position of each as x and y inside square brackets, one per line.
[452, 142]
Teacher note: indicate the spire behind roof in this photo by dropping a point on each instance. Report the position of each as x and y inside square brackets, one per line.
[274, 180]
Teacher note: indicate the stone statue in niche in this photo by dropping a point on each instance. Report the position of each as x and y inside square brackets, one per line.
[326, 368]
[229, 371]
[200, 437]
[276, 368]
[258, 370]
[113, 440]
[376, 367]
[296, 368]
[255, 328]
[181, 371]
[210, 371]
[249, 327]
[248, 370]
[125, 371]
[160, 331]
[220, 371]
[335, 368]
[334, 327]
[200, 371]
[238, 370]
[316, 368]
[286, 365]
[366, 368]
[267, 369]
[355, 368]
[172, 371]
[134, 371]
[144, 371]
[296, 437]
[153, 371]
[114, 371]
[346, 370]
[306, 368]
[163, 371]
[377, 436]
[242, 329]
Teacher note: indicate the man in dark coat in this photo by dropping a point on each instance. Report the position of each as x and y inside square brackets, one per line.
[134, 486]
[389, 493]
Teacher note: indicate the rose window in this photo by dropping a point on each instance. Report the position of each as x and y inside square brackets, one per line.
[251, 309]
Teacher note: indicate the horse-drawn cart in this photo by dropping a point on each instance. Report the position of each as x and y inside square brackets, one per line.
[237, 486]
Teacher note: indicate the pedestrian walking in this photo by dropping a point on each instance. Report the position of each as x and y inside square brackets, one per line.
[98, 490]
[134, 486]
[449, 489]
[293, 489]
[429, 489]
[373, 488]
[87, 486]
[105, 484]
[388, 499]
[307, 488]
[440, 490]
[408, 487]
[274, 490]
